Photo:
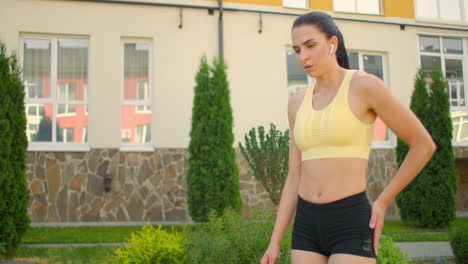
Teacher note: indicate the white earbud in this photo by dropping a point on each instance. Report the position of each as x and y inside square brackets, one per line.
[332, 48]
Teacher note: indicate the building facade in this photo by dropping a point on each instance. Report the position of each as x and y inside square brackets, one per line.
[109, 90]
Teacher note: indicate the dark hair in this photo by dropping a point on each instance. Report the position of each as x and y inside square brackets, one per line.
[326, 24]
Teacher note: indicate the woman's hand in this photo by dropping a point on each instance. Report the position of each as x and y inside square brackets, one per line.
[377, 222]
[271, 255]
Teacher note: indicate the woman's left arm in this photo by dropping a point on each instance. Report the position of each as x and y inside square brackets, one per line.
[404, 123]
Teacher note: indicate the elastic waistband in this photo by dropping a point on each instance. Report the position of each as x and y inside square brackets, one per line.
[348, 201]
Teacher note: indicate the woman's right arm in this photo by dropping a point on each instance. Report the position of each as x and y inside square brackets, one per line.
[288, 200]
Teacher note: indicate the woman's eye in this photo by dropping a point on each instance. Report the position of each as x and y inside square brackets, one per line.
[310, 45]
[296, 51]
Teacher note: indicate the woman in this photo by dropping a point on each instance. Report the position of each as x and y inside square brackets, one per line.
[331, 128]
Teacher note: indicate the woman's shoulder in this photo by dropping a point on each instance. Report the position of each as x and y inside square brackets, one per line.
[363, 83]
[362, 79]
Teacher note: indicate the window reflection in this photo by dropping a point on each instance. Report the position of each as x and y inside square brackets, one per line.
[460, 126]
[136, 127]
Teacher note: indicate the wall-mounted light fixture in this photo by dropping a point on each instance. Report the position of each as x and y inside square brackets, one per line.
[107, 182]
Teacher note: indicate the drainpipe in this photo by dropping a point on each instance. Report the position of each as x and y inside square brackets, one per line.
[220, 30]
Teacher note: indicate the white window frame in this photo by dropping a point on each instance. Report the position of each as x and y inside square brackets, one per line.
[463, 57]
[463, 20]
[53, 145]
[299, 4]
[356, 11]
[390, 143]
[143, 147]
[66, 103]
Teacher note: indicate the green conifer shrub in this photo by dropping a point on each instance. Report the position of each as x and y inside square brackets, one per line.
[408, 199]
[439, 186]
[430, 198]
[14, 197]
[213, 177]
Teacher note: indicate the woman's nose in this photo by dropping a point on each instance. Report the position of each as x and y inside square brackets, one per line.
[303, 56]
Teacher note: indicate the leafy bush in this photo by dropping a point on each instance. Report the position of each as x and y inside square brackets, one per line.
[390, 253]
[267, 156]
[151, 246]
[213, 175]
[459, 243]
[14, 197]
[231, 239]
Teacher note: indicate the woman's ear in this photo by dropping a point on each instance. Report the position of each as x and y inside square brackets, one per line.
[333, 42]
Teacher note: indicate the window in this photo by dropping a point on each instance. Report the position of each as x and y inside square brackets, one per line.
[448, 54]
[358, 6]
[296, 3]
[373, 63]
[455, 11]
[136, 107]
[55, 76]
[297, 78]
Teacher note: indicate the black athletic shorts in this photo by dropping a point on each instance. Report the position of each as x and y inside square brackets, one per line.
[341, 226]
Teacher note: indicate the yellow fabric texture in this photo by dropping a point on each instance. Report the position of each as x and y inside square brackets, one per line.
[332, 132]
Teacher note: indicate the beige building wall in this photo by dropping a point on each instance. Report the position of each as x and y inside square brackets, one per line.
[256, 62]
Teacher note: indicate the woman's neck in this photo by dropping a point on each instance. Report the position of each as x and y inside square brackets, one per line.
[330, 80]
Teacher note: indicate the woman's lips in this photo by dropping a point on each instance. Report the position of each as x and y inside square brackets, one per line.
[308, 67]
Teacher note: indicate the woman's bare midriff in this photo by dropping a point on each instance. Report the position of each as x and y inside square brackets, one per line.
[331, 179]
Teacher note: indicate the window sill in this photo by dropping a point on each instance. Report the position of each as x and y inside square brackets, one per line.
[136, 148]
[441, 21]
[459, 144]
[356, 13]
[382, 145]
[68, 147]
[298, 8]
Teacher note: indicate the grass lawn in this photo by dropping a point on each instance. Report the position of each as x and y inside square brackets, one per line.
[412, 232]
[82, 234]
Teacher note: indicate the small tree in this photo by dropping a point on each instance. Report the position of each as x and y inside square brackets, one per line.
[440, 184]
[267, 156]
[430, 197]
[213, 177]
[14, 197]
[408, 200]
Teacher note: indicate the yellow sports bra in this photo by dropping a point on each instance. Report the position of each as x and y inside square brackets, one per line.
[333, 131]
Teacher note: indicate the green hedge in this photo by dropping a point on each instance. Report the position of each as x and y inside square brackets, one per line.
[231, 239]
[225, 239]
[459, 244]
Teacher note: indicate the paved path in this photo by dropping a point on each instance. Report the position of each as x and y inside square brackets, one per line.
[426, 249]
[73, 245]
[113, 223]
